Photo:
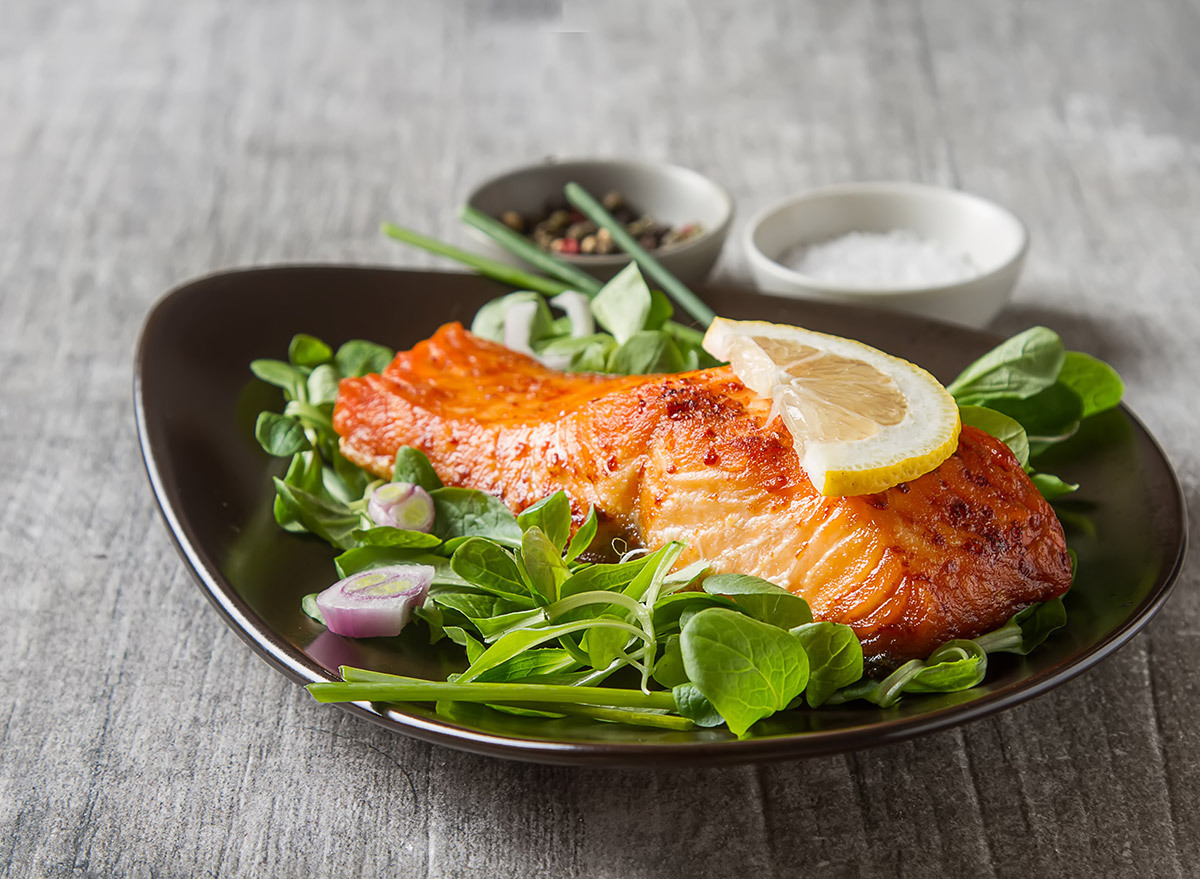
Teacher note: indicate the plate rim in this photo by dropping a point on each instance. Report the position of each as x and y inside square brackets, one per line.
[294, 664]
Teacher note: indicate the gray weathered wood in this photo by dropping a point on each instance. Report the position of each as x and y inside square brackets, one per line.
[145, 142]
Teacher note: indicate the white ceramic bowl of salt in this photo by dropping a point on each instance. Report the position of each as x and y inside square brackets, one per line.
[936, 252]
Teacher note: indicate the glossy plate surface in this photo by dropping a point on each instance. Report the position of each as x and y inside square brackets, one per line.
[196, 403]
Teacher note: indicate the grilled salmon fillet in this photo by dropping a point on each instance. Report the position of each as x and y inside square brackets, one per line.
[692, 457]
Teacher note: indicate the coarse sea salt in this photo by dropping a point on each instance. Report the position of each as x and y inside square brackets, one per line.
[887, 260]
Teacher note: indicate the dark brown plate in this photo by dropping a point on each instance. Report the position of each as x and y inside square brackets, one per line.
[196, 403]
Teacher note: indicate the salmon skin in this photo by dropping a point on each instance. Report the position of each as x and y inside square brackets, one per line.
[692, 457]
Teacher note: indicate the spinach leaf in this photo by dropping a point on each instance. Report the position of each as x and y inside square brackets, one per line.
[322, 385]
[669, 609]
[1097, 384]
[434, 619]
[1026, 629]
[668, 670]
[1019, 367]
[1052, 487]
[543, 564]
[386, 535]
[605, 644]
[281, 375]
[465, 512]
[835, 659]
[761, 599]
[279, 435]
[661, 311]
[524, 639]
[593, 357]
[1038, 622]
[1000, 426]
[1050, 413]
[624, 304]
[306, 350]
[693, 705]
[956, 665]
[463, 639]
[583, 537]
[570, 346]
[413, 467]
[552, 514]
[357, 358]
[479, 606]
[341, 479]
[547, 660]
[645, 352]
[690, 341]
[334, 522]
[304, 472]
[490, 567]
[603, 577]
[685, 576]
[747, 669]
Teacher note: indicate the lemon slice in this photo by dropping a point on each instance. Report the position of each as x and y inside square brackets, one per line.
[863, 421]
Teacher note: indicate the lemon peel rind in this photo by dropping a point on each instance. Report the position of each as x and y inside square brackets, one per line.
[852, 483]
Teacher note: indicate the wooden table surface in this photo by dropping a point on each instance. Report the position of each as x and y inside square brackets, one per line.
[144, 142]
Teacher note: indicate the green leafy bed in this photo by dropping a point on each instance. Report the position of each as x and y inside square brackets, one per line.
[548, 632]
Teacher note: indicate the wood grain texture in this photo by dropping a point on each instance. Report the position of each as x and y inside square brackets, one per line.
[146, 142]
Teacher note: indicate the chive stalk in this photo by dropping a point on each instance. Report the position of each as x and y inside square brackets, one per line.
[520, 246]
[490, 268]
[401, 689]
[672, 286]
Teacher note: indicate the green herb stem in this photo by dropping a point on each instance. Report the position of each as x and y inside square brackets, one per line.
[583, 599]
[490, 268]
[520, 246]
[401, 689]
[672, 286]
[1005, 638]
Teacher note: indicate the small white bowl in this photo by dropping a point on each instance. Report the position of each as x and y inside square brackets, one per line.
[670, 193]
[993, 238]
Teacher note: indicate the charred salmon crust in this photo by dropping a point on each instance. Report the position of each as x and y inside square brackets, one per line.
[691, 457]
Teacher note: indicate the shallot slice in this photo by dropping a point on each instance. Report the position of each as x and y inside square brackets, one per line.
[518, 326]
[579, 311]
[401, 505]
[377, 603]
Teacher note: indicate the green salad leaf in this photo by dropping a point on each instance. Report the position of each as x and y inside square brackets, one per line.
[358, 357]
[761, 599]
[309, 351]
[1020, 367]
[552, 516]
[835, 659]
[279, 435]
[747, 669]
[465, 512]
[623, 306]
[999, 425]
[1032, 393]
[1095, 382]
